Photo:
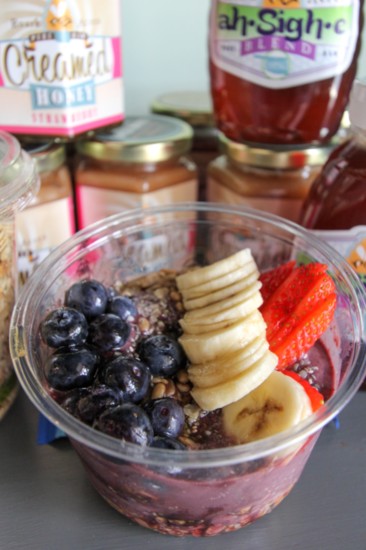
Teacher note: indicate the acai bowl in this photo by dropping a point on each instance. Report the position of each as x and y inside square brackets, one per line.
[206, 482]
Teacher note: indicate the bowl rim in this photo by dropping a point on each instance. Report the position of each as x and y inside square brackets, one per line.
[107, 445]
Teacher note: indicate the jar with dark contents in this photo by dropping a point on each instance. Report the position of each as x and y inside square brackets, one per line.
[196, 109]
[273, 179]
[335, 208]
[141, 163]
[49, 219]
[18, 183]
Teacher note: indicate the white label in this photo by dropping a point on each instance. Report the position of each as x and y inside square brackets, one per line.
[351, 244]
[60, 66]
[96, 203]
[41, 228]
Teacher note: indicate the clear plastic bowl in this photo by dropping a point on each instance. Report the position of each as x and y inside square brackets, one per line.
[191, 492]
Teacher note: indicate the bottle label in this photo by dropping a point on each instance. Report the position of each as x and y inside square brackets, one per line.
[95, 203]
[60, 66]
[287, 208]
[351, 244]
[41, 228]
[152, 251]
[280, 44]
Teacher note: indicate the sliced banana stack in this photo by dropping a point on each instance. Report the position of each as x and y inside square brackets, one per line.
[224, 333]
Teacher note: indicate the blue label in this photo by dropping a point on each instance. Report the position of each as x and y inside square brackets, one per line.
[58, 97]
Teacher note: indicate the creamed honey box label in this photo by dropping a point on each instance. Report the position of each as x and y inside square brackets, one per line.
[60, 66]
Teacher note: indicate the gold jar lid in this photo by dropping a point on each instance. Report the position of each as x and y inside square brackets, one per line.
[275, 157]
[192, 106]
[48, 155]
[144, 139]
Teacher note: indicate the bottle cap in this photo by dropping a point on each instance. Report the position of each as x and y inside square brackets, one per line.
[275, 157]
[48, 155]
[357, 105]
[193, 107]
[151, 138]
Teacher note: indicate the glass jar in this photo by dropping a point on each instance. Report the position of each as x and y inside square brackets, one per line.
[49, 219]
[275, 179]
[196, 109]
[18, 183]
[281, 73]
[141, 163]
[336, 205]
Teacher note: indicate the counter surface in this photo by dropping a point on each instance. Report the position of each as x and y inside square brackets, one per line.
[47, 502]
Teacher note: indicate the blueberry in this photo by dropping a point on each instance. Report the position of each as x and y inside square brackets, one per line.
[111, 292]
[160, 442]
[123, 307]
[127, 421]
[167, 416]
[108, 332]
[69, 400]
[130, 375]
[97, 400]
[163, 354]
[71, 369]
[64, 326]
[88, 296]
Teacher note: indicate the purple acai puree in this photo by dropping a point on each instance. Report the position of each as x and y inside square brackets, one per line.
[197, 501]
[200, 501]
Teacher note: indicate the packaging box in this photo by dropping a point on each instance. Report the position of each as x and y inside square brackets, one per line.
[60, 66]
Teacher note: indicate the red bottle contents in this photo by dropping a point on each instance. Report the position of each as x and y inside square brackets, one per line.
[336, 204]
[337, 199]
[282, 74]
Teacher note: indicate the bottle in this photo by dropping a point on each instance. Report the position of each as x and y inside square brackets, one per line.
[281, 72]
[274, 179]
[18, 183]
[141, 163]
[336, 204]
[49, 219]
[195, 108]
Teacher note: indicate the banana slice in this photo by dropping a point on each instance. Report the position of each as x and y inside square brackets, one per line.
[222, 267]
[274, 406]
[223, 318]
[221, 395]
[220, 282]
[200, 348]
[224, 333]
[224, 309]
[222, 293]
[202, 329]
[225, 368]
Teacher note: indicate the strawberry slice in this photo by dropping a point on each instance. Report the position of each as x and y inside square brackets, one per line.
[299, 311]
[296, 287]
[316, 398]
[305, 333]
[273, 278]
[321, 289]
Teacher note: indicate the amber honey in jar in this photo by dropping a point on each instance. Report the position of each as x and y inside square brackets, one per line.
[139, 164]
[274, 179]
[281, 72]
[49, 219]
[195, 108]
